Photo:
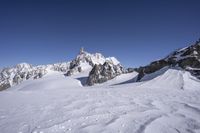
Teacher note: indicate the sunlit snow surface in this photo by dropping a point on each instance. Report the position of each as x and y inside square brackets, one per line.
[169, 103]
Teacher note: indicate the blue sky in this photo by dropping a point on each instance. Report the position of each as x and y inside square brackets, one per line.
[136, 32]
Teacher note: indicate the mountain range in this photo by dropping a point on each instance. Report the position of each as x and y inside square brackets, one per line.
[101, 69]
[83, 62]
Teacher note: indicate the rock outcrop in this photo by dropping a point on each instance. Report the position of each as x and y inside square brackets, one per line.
[102, 73]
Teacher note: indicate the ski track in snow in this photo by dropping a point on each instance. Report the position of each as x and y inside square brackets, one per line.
[57, 105]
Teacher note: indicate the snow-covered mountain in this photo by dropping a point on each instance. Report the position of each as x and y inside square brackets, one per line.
[187, 58]
[100, 69]
[84, 62]
[13, 76]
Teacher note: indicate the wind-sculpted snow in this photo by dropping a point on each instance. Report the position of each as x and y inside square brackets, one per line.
[171, 78]
[59, 104]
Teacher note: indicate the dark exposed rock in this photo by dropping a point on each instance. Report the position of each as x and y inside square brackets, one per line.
[129, 70]
[69, 73]
[194, 72]
[29, 75]
[4, 86]
[79, 69]
[17, 79]
[154, 66]
[102, 73]
[189, 62]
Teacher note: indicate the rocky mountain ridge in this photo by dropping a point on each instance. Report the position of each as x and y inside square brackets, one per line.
[187, 58]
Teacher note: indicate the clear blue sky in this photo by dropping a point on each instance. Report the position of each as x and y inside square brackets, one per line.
[136, 32]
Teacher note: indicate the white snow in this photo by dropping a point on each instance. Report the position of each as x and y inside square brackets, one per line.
[113, 60]
[169, 103]
[171, 79]
[97, 58]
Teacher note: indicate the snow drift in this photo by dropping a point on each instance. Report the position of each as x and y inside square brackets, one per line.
[171, 78]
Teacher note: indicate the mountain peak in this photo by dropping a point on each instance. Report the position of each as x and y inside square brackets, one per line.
[84, 61]
[82, 50]
[23, 65]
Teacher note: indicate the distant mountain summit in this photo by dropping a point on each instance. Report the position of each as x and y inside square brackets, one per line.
[101, 69]
[187, 58]
[84, 61]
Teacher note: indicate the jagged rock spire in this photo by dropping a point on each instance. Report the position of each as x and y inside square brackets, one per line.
[81, 50]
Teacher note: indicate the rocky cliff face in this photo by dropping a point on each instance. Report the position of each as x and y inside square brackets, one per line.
[187, 58]
[102, 73]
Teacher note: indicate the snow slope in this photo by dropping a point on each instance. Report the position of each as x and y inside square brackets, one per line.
[51, 81]
[59, 104]
[169, 78]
